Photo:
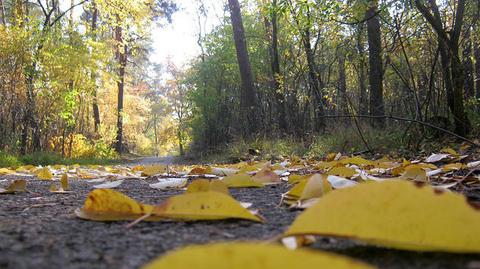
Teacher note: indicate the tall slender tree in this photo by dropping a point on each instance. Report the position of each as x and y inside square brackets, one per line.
[121, 57]
[362, 87]
[375, 76]
[272, 29]
[342, 107]
[452, 67]
[96, 110]
[248, 94]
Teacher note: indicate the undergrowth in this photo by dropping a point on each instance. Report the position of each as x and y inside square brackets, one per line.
[395, 141]
[49, 158]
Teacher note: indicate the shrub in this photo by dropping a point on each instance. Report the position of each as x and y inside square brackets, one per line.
[7, 160]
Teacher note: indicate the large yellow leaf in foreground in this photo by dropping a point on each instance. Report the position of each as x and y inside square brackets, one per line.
[395, 214]
[110, 205]
[209, 205]
[251, 256]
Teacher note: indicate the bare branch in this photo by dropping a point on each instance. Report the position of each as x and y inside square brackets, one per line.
[43, 8]
[66, 11]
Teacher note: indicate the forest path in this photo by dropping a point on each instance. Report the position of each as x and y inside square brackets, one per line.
[38, 229]
[155, 160]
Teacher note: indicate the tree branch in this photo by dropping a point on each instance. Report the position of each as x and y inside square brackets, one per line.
[43, 8]
[66, 11]
[433, 20]
[457, 27]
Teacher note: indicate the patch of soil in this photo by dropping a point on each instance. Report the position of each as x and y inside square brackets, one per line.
[39, 230]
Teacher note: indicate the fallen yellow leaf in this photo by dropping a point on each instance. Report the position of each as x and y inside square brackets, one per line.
[359, 161]
[18, 185]
[342, 171]
[25, 168]
[449, 151]
[204, 185]
[6, 171]
[64, 182]
[224, 171]
[64, 188]
[198, 170]
[153, 170]
[452, 167]
[210, 205]
[415, 173]
[395, 214]
[241, 181]
[293, 179]
[265, 176]
[314, 187]
[251, 256]
[44, 174]
[111, 205]
[138, 168]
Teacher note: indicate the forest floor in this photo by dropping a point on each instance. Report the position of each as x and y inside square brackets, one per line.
[38, 229]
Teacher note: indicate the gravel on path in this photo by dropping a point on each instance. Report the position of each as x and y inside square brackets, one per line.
[38, 230]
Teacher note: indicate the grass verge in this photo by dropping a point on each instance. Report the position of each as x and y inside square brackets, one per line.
[49, 158]
[395, 142]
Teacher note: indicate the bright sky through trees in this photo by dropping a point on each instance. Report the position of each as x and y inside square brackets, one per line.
[178, 40]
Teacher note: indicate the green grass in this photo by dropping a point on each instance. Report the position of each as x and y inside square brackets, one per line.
[49, 158]
[7, 160]
[347, 140]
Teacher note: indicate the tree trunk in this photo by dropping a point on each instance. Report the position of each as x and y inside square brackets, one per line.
[247, 96]
[2, 13]
[376, 65]
[468, 63]
[476, 55]
[462, 124]
[155, 132]
[452, 68]
[342, 107]
[96, 110]
[272, 28]
[121, 57]
[180, 143]
[315, 81]
[362, 102]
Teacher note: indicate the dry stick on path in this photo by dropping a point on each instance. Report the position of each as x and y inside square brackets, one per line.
[407, 120]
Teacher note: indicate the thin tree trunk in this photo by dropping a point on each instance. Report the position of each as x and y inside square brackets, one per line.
[180, 143]
[342, 108]
[468, 63]
[376, 65]
[3, 18]
[315, 81]
[248, 95]
[362, 102]
[272, 28]
[155, 133]
[96, 110]
[121, 57]
[476, 55]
